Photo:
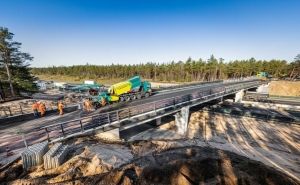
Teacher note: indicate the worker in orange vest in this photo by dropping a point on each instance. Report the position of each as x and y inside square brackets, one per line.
[90, 106]
[103, 102]
[42, 108]
[87, 105]
[35, 109]
[60, 108]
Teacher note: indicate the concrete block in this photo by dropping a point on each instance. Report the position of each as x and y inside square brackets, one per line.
[49, 155]
[55, 156]
[33, 155]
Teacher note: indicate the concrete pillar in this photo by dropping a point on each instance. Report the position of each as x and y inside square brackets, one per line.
[264, 88]
[239, 96]
[158, 121]
[182, 119]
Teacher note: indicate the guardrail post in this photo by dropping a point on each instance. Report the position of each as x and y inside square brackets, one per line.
[48, 137]
[108, 118]
[24, 139]
[174, 102]
[9, 111]
[81, 127]
[62, 130]
[128, 112]
[118, 118]
[155, 108]
[21, 110]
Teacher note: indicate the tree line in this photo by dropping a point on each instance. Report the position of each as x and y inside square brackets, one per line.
[181, 71]
[16, 75]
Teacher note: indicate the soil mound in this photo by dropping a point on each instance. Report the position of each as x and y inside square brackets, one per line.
[194, 165]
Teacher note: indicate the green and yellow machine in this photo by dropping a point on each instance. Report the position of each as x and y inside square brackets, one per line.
[132, 89]
[262, 75]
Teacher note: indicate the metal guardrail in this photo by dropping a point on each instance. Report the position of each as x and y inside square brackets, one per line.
[64, 129]
[19, 109]
[185, 85]
[25, 108]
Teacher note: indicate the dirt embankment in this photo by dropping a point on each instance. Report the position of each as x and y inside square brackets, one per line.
[149, 162]
[284, 88]
[194, 165]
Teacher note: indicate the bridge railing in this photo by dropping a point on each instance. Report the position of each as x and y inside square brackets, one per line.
[61, 130]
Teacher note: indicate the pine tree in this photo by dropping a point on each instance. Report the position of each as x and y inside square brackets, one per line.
[14, 63]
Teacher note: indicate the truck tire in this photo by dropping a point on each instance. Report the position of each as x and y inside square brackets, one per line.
[122, 99]
[147, 95]
[139, 96]
[133, 97]
[127, 98]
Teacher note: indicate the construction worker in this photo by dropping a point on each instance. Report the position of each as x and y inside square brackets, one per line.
[90, 106]
[103, 102]
[60, 108]
[35, 109]
[85, 105]
[42, 108]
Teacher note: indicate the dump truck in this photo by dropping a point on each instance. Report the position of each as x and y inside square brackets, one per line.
[132, 89]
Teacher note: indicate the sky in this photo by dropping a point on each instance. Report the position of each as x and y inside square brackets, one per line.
[102, 32]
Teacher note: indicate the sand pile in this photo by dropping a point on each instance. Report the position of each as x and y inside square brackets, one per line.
[284, 88]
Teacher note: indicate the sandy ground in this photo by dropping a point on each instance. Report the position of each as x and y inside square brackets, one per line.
[284, 88]
[273, 143]
[218, 149]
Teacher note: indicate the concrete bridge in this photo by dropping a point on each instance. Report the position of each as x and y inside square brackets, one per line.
[132, 116]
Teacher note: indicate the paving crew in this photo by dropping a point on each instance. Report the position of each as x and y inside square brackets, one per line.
[35, 109]
[60, 107]
[42, 108]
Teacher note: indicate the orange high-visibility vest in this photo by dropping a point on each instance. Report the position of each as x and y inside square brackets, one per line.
[34, 106]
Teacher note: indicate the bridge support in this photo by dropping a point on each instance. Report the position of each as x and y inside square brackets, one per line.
[264, 88]
[158, 121]
[182, 119]
[239, 96]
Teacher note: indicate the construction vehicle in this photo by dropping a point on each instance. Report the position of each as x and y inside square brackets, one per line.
[92, 89]
[262, 75]
[132, 89]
